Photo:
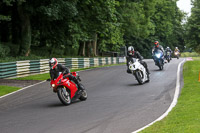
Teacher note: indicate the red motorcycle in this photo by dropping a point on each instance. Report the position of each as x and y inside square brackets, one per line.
[67, 90]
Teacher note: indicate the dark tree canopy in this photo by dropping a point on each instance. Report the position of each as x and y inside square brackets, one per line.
[89, 27]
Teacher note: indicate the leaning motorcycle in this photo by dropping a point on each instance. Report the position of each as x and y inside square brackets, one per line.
[67, 90]
[159, 58]
[139, 71]
[168, 56]
[176, 54]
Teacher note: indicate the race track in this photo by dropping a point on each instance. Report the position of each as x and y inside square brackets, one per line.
[116, 103]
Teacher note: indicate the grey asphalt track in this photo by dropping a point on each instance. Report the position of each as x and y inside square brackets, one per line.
[116, 103]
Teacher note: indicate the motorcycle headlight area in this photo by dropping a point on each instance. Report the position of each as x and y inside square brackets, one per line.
[53, 85]
[132, 66]
[158, 55]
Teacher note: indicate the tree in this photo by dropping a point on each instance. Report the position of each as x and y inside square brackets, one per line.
[98, 25]
[137, 24]
[193, 27]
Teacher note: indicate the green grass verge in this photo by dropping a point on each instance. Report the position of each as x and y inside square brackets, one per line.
[7, 89]
[185, 116]
[46, 75]
[188, 54]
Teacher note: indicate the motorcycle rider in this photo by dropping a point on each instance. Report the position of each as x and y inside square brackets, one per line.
[131, 53]
[56, 69]
[156, 47]
[176, 49]
[168, 50]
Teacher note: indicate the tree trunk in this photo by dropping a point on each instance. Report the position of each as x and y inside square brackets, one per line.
[88, 48]
[81, 50]
[25, 31]
[95, 45]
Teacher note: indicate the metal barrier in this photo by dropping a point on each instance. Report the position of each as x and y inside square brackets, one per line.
[29, 67]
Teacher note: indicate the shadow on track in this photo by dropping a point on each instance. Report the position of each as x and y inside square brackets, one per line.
[134, 84]
[157, 70]
[59, 104]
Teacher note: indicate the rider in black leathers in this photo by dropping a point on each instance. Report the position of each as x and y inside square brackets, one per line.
[56, 69]
[168, 50]
[135, 54]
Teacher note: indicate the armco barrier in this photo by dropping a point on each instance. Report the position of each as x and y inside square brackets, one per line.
[29, 67]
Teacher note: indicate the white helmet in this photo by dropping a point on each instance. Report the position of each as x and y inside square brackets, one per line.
[130, 50]
[53, 62]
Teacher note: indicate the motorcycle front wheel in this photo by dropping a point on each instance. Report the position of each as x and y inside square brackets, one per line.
[160, 65]
[168, 59]
[139, 76]
[64, 96]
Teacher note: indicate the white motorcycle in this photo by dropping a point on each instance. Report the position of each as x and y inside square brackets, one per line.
[139, 71]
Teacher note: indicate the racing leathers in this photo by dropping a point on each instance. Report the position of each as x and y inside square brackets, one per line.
[168, 50]
[54, 73]
[138, 56]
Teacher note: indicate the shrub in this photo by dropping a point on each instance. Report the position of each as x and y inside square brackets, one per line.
[188, 54]
[4, 50]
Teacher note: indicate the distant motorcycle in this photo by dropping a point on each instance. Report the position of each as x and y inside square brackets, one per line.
[139, 71]
[176, 54]
[168, 56]
[159, 58]
[67, 90]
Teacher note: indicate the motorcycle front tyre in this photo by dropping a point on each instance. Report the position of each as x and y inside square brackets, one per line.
[160, 65]
[138, 77]
[64, 96]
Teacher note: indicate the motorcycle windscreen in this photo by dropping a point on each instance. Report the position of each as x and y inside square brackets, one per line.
[158, 53]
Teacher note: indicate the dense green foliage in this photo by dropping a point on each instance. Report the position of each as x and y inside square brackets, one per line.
[87, 28]
[193, 27]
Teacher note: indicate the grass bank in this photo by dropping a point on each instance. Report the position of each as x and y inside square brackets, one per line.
[7, 89]
[185, 116]
[189, 54]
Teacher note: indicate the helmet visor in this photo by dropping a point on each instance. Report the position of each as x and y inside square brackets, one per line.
[51, 64]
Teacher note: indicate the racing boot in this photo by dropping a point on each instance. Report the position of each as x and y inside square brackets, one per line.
[79, 86]
[147, 71]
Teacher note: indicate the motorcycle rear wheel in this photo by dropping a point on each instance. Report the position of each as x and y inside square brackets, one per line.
[83, 96]
[64, 96]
